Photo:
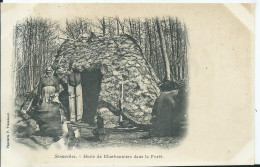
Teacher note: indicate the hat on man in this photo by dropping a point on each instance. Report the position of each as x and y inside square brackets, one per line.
[167, 86]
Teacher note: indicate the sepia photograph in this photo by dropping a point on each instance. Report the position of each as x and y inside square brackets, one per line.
[127, 84]
[101, 82]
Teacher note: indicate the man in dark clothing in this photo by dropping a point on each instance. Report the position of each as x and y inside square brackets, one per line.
[165, 110]
[64, 98]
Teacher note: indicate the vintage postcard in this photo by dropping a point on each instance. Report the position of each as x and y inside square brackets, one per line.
[127, 84]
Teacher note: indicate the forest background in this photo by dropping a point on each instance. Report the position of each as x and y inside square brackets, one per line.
[163, 41]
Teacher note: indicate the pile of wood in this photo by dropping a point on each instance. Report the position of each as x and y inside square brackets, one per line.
[120, 60]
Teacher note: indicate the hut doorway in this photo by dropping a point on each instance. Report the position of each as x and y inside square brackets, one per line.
[91, 85]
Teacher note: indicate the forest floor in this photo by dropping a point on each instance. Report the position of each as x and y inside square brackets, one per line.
[115, 137]
[121, 137]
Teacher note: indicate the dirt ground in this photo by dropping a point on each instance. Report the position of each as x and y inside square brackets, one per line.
[115, 137]
[121, 137]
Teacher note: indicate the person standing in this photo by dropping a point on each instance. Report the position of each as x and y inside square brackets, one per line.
[75, 96]
[165, 110]
[48, 85]
[99, 132]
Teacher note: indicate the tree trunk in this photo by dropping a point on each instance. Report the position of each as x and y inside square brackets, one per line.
[156, 53]
[139, 32]
[163, 50]
[117, 23]
[122, 26]
[172, 45]
[150, 41]
[185, 57]
[104, 26]
[14, 65]
[130, 27]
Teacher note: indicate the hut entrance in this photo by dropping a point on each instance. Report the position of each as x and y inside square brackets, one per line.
[91, 85]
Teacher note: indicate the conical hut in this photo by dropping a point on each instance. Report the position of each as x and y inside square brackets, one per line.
[112, 68]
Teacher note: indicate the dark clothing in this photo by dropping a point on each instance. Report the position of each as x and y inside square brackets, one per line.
[99, 132]
[74, 79]
[50, 123]
[100, 122]
[164, 113]
[64, 99]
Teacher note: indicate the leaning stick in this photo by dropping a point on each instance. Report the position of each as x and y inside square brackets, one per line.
[122, 98]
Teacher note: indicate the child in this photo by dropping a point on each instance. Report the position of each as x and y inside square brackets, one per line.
[99, 132]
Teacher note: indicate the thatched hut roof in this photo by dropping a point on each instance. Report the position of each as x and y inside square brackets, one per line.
[119, 58]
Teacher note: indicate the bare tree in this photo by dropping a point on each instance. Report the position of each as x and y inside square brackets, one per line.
[163, 50]
[35, 46]
[103, 25]
[156, 52]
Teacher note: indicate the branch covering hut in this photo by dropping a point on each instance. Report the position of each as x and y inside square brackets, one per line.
[107, 61]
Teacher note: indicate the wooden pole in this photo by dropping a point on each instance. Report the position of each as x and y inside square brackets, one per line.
[121, 102]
